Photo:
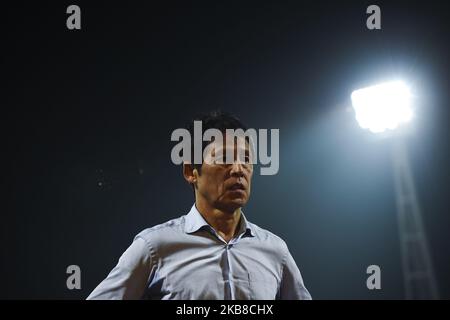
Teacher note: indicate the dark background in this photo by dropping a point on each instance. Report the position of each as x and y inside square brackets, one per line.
[87, 116]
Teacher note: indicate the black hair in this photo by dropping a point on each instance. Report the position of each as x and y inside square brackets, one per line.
[216, 119]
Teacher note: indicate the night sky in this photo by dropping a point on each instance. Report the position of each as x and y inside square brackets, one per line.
[87, 117]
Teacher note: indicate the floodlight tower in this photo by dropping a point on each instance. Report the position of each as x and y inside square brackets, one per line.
[379, 108]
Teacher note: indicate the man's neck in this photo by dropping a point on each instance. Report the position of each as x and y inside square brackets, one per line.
[224, 222]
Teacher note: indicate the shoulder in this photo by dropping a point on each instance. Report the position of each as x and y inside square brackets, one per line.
[162, 232]
[269, 237]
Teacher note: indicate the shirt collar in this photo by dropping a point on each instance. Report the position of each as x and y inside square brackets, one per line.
[194, 221]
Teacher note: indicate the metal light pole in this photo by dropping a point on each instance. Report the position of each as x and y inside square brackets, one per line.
[418, 273]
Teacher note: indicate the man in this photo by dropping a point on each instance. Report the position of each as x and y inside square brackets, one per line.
[213, 252]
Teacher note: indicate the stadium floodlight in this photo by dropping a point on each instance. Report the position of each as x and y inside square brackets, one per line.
[382, 106]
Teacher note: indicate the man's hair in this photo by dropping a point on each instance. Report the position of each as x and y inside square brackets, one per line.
[216, 119]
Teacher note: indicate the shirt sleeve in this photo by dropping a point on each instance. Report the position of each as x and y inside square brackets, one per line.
[292, 286]
[129, 278]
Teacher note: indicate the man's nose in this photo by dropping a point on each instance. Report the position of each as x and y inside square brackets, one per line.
[237, 169]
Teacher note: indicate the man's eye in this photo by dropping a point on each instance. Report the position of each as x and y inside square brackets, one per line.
[230, 160]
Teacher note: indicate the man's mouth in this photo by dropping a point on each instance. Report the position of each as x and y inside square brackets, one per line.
[237, 186]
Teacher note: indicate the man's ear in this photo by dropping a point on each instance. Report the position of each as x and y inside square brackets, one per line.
[190, 173]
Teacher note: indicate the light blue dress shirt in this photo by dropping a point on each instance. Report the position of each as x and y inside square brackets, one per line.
[185, 258]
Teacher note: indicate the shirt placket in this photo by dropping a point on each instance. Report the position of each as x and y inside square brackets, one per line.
[228, 268]
[229, 289]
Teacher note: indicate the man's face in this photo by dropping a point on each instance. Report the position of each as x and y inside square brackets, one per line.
[225, 185]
